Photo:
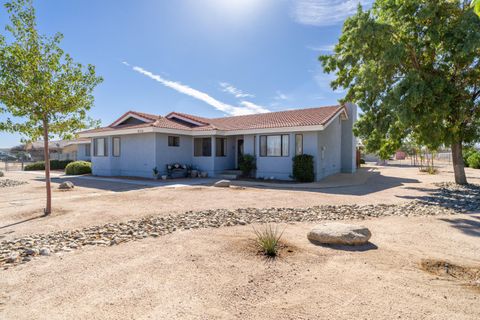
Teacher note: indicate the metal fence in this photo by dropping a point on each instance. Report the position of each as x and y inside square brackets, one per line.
[13, 165]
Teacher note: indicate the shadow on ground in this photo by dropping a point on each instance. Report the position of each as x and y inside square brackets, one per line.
[470, 227]
[360, 248]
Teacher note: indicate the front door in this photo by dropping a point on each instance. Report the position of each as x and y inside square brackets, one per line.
[239, 151]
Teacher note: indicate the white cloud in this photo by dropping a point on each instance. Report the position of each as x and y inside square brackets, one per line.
[325, 12]
[281, 96]
[324, 48]
[246, 107]
[227, 87]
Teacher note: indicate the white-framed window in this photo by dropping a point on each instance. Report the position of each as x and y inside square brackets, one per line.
[274, 146]
[202, 147]
[116, 147]
[173, 141]
[100, 147]
[87, 147]
[298, 144]
[221, 147]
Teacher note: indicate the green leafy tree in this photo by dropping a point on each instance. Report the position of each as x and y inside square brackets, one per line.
[476, 6]
[43, 92]
[413, 67]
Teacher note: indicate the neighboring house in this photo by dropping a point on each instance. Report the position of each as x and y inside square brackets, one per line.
[137, 142]
[61, 150]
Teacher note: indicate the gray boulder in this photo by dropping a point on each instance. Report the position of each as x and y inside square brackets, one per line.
[1, 173]
[222, 184]
[339, 233]
[66, 185]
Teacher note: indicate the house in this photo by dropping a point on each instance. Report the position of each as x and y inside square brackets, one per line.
[60, 149]
[137, 142]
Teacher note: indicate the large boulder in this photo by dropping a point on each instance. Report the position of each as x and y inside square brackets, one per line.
[1, 173]
[339, 233]
[222, 184]
[66, 185]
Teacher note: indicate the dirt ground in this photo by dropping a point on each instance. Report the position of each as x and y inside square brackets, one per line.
[99, 202]
[218, 274]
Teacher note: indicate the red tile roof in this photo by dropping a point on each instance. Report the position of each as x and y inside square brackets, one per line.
[281, 119]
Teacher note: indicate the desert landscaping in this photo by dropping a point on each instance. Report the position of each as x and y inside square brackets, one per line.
[143, 249]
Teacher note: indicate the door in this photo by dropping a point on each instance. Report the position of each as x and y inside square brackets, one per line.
[239, 151]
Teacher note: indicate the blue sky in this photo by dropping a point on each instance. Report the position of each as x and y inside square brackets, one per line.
[205, 57]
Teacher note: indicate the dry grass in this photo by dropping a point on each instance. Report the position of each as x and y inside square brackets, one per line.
[268, 239]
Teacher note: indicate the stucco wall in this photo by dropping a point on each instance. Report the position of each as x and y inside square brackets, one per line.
[329, 140]
[81, 155]
[349, 141]
[227, 162]
[204, 163]
[137, 157]
[168, 155]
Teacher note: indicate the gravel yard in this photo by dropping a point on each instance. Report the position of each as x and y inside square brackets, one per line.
[115, 250]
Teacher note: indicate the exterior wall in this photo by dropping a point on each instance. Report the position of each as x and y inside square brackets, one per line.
[137, 157]
[329, 148]
[204, 163]
[228, 162]
[165, 155]
[81, 154]
[349, 141]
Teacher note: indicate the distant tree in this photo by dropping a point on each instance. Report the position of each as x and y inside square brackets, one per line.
[42, 91]
[413, 67]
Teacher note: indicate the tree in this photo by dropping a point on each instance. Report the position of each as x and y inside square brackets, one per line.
[476, 6]
[413, 67]
[42, 91]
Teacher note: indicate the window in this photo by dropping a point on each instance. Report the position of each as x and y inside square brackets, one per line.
[298, 144]
[173, 141]
[116, 147]
[100, 147]
[202, 147]
[221, 147]
[274, 146]
[88, 146]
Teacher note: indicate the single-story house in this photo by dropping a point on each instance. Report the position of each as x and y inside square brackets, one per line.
[137, 142]
[59, 149]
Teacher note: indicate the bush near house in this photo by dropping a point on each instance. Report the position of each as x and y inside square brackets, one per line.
[474, 160]
[247, 165]
[303, 168]
[78, 167]
[54, 165]
[467, 152]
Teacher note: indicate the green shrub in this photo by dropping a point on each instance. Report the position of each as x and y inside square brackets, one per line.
[467, 152]
[303, 168]
[54, 165]
[474, 160]
[247, 164]
[78, 167]
[268, 240]
[362, 161]
[39, 165]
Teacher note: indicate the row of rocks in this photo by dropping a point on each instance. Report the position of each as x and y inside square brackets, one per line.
[462, 198]
[5, 183]
[21, 250]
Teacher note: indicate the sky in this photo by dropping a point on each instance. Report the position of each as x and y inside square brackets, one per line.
[210, 58]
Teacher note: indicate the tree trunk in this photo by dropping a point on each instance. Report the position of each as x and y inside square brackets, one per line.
[458, 165]
[48, 207]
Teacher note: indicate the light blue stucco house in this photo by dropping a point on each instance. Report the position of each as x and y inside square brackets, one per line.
[137, 142]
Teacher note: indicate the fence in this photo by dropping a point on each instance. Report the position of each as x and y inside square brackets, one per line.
[13, 165]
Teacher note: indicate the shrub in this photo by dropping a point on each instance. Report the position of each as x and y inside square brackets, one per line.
[247, 164]
[268, 240]
[303, 168]
[54, 165]
[78, 167]
[467, 152]
[474, 160]
[362, 161]
[39, 165]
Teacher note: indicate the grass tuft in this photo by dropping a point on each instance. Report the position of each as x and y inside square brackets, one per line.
[268, 239]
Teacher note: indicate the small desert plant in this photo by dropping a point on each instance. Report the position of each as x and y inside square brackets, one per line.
[78, 167]
[155, 171]
[429, 169]
[247, 165]
[268, 239]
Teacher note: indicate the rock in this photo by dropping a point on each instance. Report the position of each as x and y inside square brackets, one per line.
[12, 258]
[222, 184]
[1, 174]
[44, 252]
[66, 185]
[339, 233]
